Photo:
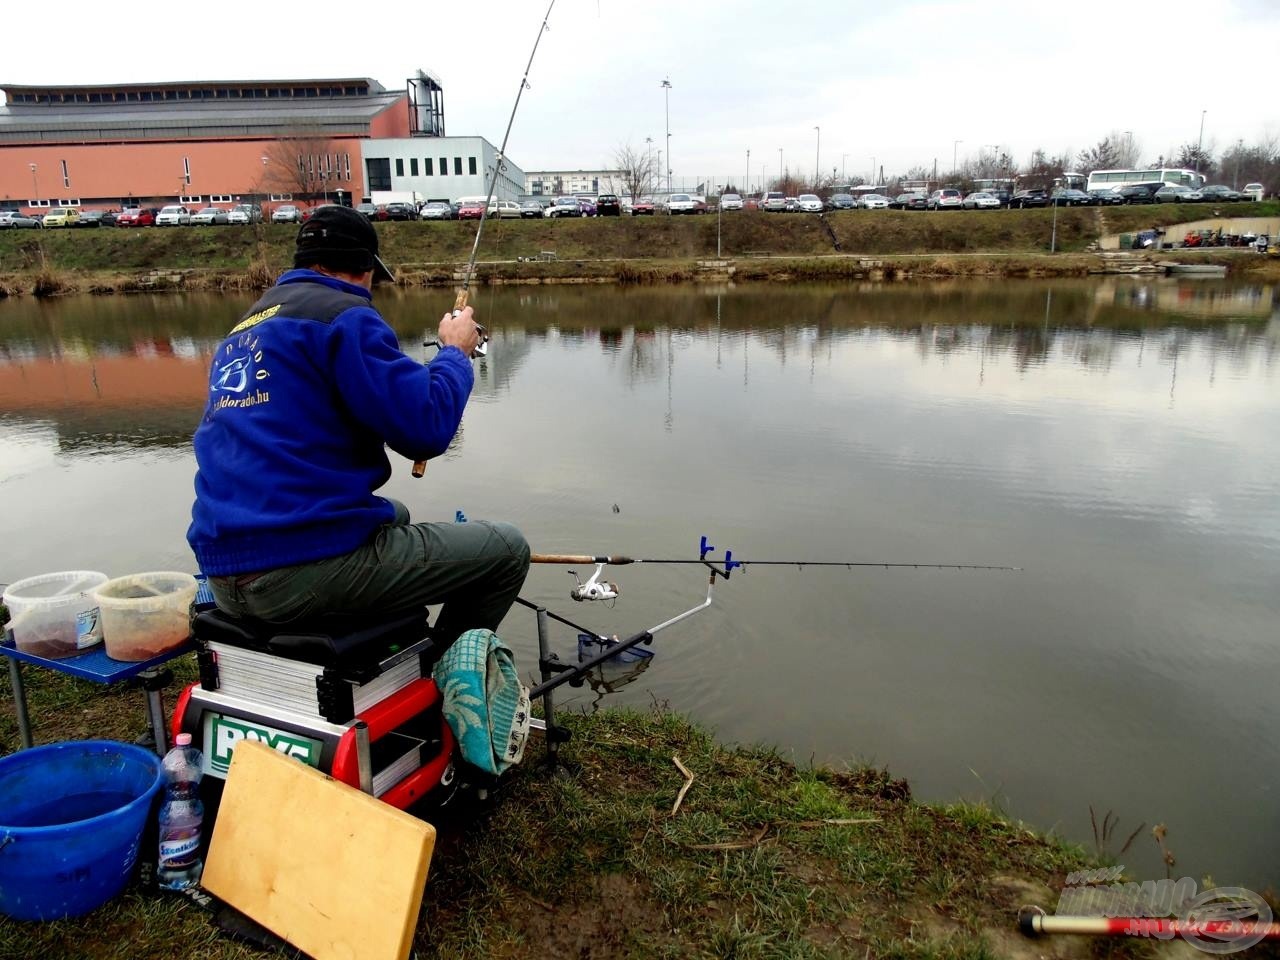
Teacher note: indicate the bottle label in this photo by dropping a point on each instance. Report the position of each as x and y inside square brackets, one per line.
[179, 852]
[88, 629]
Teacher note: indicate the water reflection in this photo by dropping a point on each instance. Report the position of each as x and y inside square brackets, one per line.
[1115, 438]
[131, 371]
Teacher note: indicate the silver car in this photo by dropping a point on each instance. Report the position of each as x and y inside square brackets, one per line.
[211, 216]
[174, 215]
[286, 213]
[981, 200]
[731, 201]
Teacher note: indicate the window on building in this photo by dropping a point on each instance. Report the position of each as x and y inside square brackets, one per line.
[346, 166]
[426, 167]
[68, 203]
[378, 173]
[457, 166]
[221, 198]
[471, 165]
[37, 203]
[413, 166]
[399, 167]
[195, 199]
[444, 166]
[275, 197]
[66, 177]
[186, 170]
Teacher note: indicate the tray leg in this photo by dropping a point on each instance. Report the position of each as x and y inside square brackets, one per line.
[20, 703]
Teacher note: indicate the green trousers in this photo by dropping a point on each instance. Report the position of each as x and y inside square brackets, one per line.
[475, 569]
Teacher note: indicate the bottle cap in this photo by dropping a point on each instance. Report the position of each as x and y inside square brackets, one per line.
[182, 740]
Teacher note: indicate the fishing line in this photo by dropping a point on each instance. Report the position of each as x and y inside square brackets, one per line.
[499, 164]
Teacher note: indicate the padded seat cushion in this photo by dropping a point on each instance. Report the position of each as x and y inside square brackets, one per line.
[329, 641]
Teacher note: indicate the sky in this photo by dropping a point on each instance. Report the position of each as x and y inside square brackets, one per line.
[890, 84]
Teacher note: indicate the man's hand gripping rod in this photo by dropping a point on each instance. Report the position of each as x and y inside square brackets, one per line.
[420, 467]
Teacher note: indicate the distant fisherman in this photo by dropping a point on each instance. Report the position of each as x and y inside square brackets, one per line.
[303, 395]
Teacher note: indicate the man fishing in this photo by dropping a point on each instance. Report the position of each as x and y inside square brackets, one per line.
[304, 393]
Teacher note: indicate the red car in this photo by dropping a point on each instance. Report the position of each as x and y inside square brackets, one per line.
[471, 210]
[642, 207]
[136, 217]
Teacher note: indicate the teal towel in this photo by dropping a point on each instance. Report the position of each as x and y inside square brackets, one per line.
[485, 703]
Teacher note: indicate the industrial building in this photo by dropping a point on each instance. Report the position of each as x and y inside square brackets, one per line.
[220, 142]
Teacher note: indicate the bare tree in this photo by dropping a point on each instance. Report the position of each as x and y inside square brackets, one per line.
[639, 170]
[1195, 157]
[304, 163]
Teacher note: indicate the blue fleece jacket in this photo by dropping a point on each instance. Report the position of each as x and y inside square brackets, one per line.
[303, 394]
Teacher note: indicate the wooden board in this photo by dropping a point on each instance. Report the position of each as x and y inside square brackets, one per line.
[331, 870]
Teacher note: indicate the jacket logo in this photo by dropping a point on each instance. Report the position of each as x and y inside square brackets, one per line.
[239, 368]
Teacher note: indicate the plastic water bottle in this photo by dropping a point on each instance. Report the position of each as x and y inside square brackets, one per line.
[180, 864]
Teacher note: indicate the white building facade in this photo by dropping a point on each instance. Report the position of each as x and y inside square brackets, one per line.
[418, 169]
[559, 183]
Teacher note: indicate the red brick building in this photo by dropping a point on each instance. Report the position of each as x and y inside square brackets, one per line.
[201, 143]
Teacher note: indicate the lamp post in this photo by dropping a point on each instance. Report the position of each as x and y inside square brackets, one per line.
[844, 167]
[781, 172]
[1200, 142]
[872, 181]
[666, 93]
[955, 144]
[35, 185]
[1235, 182]
[648, 164]
[817, 157]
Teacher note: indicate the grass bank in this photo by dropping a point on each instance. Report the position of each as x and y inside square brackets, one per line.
[762, 859]
[635, 250]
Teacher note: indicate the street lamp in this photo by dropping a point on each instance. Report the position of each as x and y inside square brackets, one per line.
[35, 185]
[666, 93]
[746, 184]
[872, 181]
[817, 154]
[781, 173]
[844, 167]
[954, 145]
[1200, 142]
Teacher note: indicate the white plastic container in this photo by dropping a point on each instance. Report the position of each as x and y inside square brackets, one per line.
[145, 614]
[55, 615]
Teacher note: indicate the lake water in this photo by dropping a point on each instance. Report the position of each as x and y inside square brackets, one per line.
[1118, 440]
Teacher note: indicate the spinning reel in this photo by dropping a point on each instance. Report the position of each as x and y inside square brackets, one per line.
[594, 588]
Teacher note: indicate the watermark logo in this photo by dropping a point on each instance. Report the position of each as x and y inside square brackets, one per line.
[1219, 920]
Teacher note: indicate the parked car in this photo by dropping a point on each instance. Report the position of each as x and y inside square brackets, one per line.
[1253, 191]
[368, 210]
[96, 218]
[1177, 193]
[774, 202]
[433, 210]
[564, 207]
[1066, 197]
[400, 210]
[910, 201]
[1140, 192]
[211, 217]
[245, 213]
[679, 203]
[842, 201]
[1219, 193]
[793, 204]
[730, 201]
[531, 210]
[874, 201]
[137, 217]
[1106, 196]
[642, 207]
[608, 205]
[286, 213]
[946, 199]
[61, 217]
[14, 220]
[505, 210]
[981, 200]
[588, 205]
[809, 203]
[471, 208]
[1035, 197]
[173, 215]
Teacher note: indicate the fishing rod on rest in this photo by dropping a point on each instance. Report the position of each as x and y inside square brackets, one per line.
[499, 163]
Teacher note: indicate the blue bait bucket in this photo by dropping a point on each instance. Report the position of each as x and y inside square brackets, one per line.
[71, 818]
